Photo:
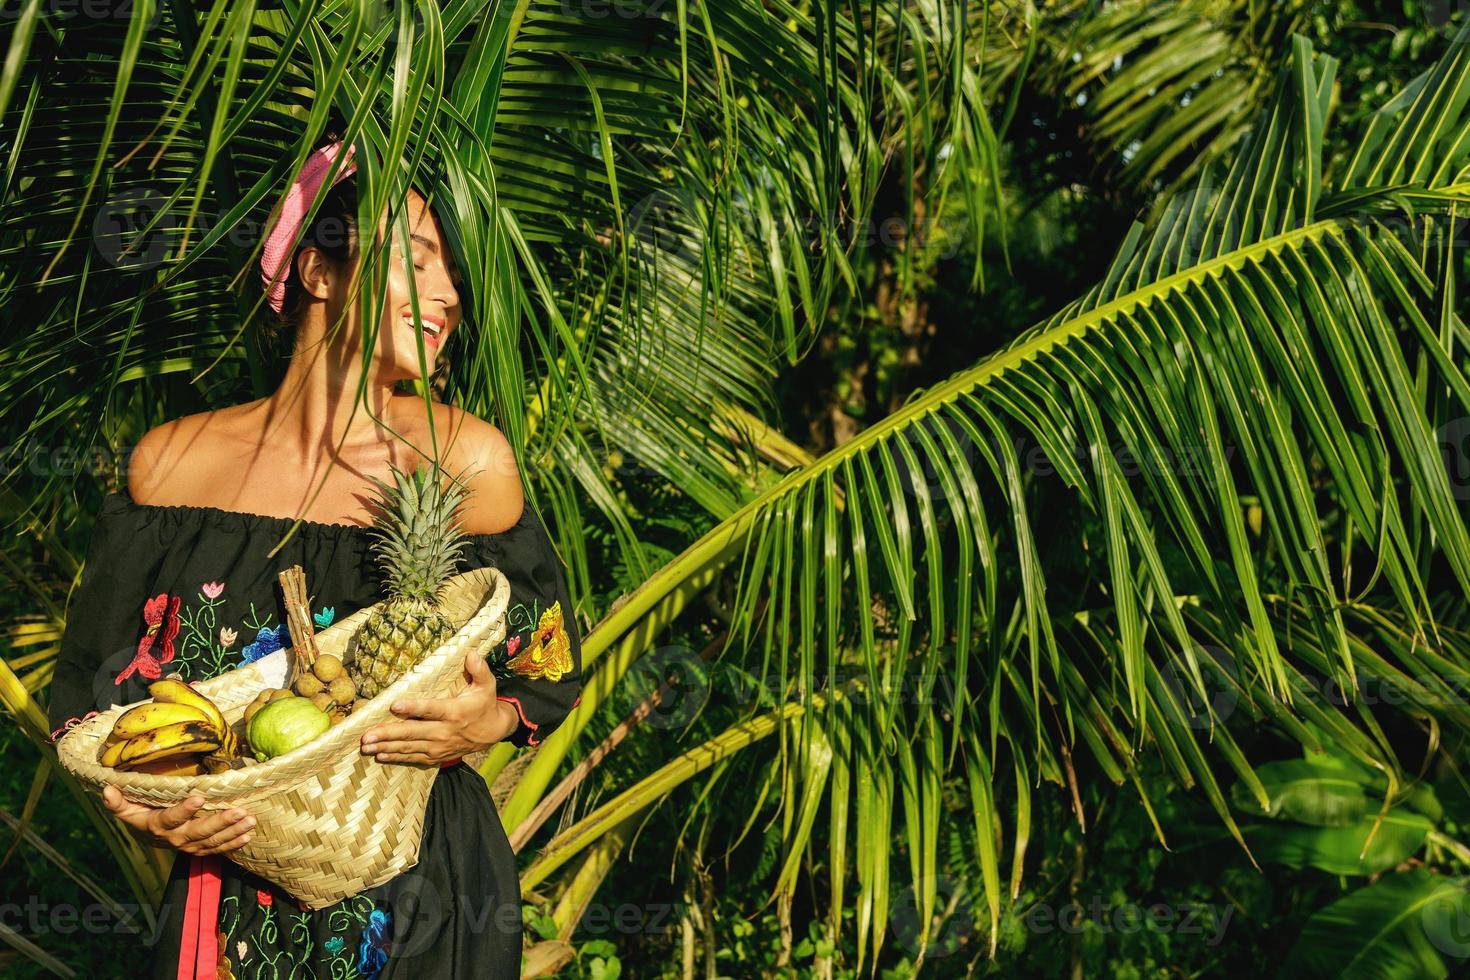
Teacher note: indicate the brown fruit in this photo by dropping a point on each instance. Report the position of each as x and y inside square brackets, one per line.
[263, 696]
[284, 692]
[252, 708]
[342, 690]
[322, 700]
[327, 668]
[309, 685]
[177, 765]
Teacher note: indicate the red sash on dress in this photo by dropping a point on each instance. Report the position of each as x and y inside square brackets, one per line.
[199, 946]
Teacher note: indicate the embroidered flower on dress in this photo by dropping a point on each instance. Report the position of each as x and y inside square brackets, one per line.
[372, 952]
[267, 641]
[263, 897]
[212, 589]
[550, 652]
[241, 948]
[227, 637]
[156, 648]
[324, 617]
[222, 969]
[334, 945]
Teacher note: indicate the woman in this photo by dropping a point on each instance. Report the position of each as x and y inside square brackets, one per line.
[180, 578]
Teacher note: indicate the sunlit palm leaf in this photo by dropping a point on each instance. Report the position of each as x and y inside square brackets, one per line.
[1270, 338]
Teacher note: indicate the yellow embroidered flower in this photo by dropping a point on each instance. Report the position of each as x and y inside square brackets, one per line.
[222, 969]
[549, 654]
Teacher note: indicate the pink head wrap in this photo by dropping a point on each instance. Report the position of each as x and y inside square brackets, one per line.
[277, 249]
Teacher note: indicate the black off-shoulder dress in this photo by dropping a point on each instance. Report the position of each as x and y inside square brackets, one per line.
[190, 590]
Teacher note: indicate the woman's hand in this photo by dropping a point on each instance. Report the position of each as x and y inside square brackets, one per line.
[438, 730]
[180, 826]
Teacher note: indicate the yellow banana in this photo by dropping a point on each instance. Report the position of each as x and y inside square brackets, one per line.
[154, 714]
[112, 754]
[160, 743]
[177, 692]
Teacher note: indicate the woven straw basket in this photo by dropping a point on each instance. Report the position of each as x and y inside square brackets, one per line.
[330, 821]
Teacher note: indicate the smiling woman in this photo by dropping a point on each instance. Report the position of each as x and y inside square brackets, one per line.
[181, 577]
[329, 253]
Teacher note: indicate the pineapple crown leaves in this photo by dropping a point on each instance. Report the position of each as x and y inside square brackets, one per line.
[417, 537]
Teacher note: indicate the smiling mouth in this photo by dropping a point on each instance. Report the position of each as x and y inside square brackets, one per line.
[432, 330]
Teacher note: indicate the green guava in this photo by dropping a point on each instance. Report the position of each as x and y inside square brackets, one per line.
[283, 725]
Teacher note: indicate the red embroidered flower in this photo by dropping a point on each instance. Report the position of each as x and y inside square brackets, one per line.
[156, 648]
[263, 897]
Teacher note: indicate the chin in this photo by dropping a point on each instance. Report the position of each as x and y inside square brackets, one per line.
[410, 368]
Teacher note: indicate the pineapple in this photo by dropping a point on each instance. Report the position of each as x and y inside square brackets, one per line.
[417, 540]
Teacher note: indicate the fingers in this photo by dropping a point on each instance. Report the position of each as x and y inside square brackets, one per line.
[402, 731]
[423, 753]
[202, 829]
[425, 709]
[476, 669]
[135, 815]
[174, 817]
[231, 837]
[114, 800]
[181, 826]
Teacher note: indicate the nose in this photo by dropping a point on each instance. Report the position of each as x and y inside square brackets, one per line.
[441, 290]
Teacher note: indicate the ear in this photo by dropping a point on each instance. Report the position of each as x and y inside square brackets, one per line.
[316, 271]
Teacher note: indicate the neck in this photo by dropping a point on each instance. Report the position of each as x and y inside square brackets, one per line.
[315, 407]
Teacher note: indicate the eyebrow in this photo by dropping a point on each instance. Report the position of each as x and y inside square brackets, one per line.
[428, 242]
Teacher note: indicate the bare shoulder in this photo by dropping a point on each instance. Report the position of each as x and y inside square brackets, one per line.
[154, 465]
[482, 453]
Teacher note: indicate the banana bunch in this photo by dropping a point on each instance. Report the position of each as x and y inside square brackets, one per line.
[180, 732]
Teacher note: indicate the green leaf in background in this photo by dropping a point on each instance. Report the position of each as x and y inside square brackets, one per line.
[1399, 926]
[1305, 792]
[1339, 850]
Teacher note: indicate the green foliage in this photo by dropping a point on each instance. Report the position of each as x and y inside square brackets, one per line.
[1095, 628]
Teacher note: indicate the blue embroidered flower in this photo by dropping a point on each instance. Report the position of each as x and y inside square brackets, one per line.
[334, 945]
[324, 618]
[266, 641]
[372, 952]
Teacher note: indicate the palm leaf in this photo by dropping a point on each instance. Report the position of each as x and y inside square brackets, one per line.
[1269, 338]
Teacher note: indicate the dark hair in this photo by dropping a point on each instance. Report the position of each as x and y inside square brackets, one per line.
[333, 231]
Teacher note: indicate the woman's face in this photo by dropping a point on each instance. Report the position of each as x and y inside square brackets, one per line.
[435, 278]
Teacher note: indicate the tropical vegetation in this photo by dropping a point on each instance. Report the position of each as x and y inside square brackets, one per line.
[1012, 459]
